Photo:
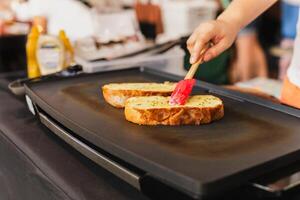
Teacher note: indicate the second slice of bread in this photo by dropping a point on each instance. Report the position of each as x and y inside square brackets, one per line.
[116, 94]
[156, 110]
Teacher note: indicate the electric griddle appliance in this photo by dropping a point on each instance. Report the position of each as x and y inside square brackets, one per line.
[254, 138]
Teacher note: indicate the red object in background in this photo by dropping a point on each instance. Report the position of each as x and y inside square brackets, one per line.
[150, 18]
[2, 27]
[182, 91]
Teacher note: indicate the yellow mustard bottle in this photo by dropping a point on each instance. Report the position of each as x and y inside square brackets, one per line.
[69, 56]
[33, 69]
[50, 54]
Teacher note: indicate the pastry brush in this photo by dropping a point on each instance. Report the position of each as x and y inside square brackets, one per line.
[184, 87]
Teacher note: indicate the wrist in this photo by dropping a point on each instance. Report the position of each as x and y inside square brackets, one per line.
[233, 20]
[230, 24]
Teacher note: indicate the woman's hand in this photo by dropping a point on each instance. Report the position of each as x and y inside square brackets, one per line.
[220, 33]
[223, 31]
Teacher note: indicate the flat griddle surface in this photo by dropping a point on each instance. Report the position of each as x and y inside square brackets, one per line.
[247, 142]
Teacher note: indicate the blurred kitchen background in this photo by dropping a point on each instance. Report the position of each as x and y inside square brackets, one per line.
[109, 34]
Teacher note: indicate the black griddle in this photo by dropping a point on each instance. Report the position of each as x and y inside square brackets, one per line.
[254, 137]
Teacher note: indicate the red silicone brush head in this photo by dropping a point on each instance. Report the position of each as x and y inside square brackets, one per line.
[182, 91]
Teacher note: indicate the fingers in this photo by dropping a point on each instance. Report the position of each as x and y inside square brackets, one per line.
[215, 50]
[194, 52]
[222, 34]
[199, 45]
[191, 41]
[203, 34]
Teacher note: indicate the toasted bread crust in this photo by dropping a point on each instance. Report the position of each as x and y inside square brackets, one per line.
[117, 98]
[174, 116]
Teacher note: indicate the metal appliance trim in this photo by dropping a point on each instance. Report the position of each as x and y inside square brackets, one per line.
[282, 189]
[113, 167]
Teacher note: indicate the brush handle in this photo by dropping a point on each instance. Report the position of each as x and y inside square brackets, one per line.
[195, 66]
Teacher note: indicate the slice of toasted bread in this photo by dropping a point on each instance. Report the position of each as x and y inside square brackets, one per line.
[116, 94]
[156, 110]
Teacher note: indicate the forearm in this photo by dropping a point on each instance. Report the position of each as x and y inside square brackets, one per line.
[242, 12]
